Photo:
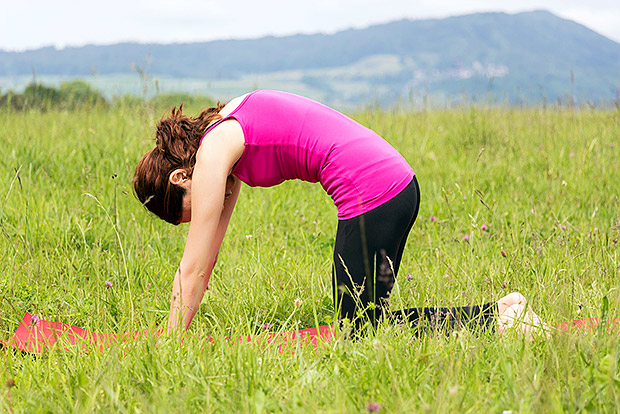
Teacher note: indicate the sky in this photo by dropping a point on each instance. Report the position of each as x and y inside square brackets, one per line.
[37, 23]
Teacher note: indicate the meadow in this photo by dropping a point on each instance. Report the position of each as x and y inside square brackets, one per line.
[513, 199]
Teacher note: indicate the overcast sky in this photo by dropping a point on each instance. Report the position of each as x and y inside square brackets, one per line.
[37, 23]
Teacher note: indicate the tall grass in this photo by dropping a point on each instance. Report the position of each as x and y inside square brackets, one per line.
[544, 182]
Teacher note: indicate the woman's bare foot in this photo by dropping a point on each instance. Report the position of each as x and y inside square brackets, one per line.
[514, 312]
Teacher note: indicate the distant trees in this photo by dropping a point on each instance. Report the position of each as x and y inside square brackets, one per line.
[69, 95]
[78, 94]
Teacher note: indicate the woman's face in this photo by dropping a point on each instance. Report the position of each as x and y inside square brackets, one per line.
[186, 215]
[230, 183]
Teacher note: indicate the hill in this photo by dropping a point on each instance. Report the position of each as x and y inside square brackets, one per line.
[524, 57]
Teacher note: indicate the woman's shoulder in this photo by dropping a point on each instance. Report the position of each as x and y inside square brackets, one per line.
[226, 140]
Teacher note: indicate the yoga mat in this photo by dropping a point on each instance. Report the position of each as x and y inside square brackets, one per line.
[588, 324]
[35, 335]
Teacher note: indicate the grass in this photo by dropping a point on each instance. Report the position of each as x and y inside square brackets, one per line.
[544, 182]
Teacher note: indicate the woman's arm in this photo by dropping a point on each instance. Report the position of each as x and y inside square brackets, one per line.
[227, 210]
[209, 219]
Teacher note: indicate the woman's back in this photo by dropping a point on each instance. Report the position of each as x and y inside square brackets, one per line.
[291, 137]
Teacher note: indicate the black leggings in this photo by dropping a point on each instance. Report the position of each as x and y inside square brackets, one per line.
[367, 255]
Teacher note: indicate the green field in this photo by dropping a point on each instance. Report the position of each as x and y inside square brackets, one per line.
[544, 181]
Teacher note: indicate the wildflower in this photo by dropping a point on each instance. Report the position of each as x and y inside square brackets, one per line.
[10, 383]
[503, 253]
[484, 227]
[466, 237]
[373, 407]
[564, 227]
[248, 236]
[611, 145]
[35, 320]
[108, 284]
[297, 302]
[303, 218]
[433, 218]
[563, 183]
[572, 155]
[409, 276]
[504, 284]
[266, 325]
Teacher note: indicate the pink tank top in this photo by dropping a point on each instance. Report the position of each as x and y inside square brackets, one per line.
[291, 137]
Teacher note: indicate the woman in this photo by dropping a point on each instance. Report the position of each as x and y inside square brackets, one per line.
[263, 138]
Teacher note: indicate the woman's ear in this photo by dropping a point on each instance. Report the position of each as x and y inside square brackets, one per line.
[178, 176]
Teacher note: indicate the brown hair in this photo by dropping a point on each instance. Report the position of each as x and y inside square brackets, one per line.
[176, 141]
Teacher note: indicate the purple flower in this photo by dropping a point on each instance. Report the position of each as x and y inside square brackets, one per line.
[504, 284]
[564, 227]
[466, 237]
[409, 276]
[108, 284]
[35, 320]
[484, 227]
[373, 407]
[433, 218]
[266, 325]
[572, 155]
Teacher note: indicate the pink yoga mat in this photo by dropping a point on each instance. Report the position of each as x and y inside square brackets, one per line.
[36, 335]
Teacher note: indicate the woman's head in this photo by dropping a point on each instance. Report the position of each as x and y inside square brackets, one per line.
[176, 142]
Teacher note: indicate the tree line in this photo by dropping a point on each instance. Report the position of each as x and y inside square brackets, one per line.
[79, 94]
[69, 95]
